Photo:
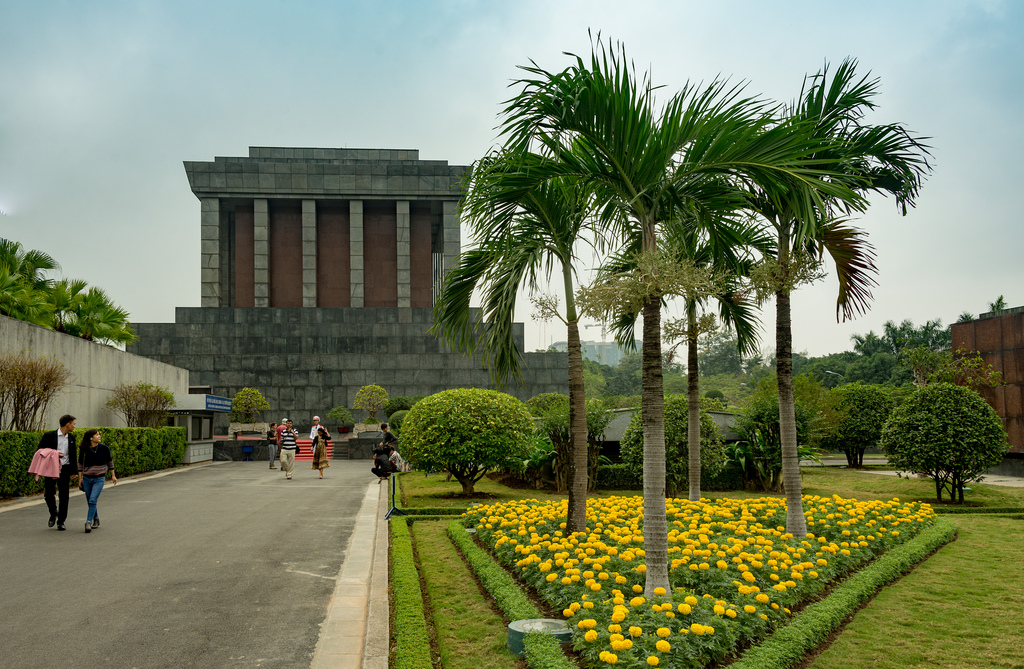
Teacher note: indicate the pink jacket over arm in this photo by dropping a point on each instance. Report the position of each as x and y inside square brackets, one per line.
[46, 462]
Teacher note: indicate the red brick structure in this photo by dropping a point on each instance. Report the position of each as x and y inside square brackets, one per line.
[999, 337]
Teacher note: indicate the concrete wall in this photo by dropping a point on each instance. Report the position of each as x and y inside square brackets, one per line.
[96, 369]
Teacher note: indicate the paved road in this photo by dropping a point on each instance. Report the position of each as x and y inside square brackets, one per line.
[224, 565]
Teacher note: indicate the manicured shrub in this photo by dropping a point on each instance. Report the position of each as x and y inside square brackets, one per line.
[618, 476]
[677, 474]
[400, 403]
[467, 432]
[862, 412]
[412, 643]
[396, 420]
[545, 402]
[948, 433]
[370, 399]
[340, 416]
[248, 404]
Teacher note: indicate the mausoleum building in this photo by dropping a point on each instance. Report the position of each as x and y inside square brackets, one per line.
[319, 272]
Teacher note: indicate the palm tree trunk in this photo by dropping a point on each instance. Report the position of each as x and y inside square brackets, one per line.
[576, 519]
[796, 524]
[693, 404]
[652, 408]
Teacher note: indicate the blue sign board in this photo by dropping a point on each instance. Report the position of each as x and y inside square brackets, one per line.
[214, 403]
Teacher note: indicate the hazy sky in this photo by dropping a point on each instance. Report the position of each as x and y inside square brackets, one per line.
[100, 102]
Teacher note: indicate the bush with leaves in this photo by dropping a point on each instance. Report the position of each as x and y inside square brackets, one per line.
[28, 384]
[399, 403]
[947, 433]
[677, 474]
[467, 432]
[340, 416]
[396, 420]
[546, 402]
[370, 399]
[141, 404]
[552, 409]
[863, 410]
[248, 404]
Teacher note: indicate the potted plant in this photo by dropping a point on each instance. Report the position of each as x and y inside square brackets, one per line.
[341, 417]
[246, 407]
[370, 399]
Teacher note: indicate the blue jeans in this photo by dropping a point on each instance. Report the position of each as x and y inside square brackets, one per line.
[93, 487]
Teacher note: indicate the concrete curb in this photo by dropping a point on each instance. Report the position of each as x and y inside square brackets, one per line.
[377, 644]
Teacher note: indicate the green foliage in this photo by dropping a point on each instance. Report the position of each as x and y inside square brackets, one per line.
[248, 403]
[554, 424]
[813, 626]
[400, 403]
[134, 451]
[619, 476]
[340, 416]
[396, 421]
[948, 433]
[863, 410]
[141, 404]
[715, 395]
[412, 643]
[719, 354]
[28, 384]
[964, 368]
[542, 651]
[712, 450]
[370, 399]
[467, 432]
[546, 402]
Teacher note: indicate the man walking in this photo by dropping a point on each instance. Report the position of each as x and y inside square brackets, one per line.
[63, 441]
[288, 441]
[272, 443]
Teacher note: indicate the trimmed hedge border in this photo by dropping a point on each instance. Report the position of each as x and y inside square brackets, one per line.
[787, 646]
[956, 510]
[439, 511]
[412, 643]
[542, 650]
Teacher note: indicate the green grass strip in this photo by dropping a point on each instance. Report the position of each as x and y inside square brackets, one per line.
[542, 650]
[435, 511]
[808, 630]
[412, 643]
[956, 510]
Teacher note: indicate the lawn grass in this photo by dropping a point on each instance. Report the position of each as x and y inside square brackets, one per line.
[827, 481]
[433, 491]
[963, 607]
[470, 634]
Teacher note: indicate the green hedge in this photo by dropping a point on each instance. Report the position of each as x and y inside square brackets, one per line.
[955, 510]
[412, 649]
[435, 511]
[542, 650]
[134, 449]
[620, 476]
[808, 630]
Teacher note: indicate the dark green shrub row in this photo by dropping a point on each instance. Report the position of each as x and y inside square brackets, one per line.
[954, 510]
[542, 650]
[435, 511]
[623, 477]
[134, 449]
[808, 630]
[400, 403]
[412, 649]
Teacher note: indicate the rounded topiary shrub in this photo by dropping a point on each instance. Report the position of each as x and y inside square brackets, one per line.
[396, 420]
[863, 410]
[467, 432]
[946, 432]
[677, 467]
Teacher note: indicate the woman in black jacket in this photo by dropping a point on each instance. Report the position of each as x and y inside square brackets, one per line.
[94, 461]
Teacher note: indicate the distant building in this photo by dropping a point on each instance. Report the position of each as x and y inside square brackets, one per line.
[999, 337]
[605, 352]
[320, 268]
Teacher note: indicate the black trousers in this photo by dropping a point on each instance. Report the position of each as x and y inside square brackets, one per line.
[56, 492]
[379, 471]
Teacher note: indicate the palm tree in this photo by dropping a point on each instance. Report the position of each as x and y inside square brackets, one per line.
[885, 159]
[595, 121]
[29, 265]
[522, 236]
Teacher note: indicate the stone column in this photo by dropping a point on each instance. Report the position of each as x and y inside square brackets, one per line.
[209, 223]
[309, 253]
[355, 223]
[261, 253]
[404, 267]
[450, 233]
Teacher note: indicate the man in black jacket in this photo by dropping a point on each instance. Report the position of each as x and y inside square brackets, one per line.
[63, 440]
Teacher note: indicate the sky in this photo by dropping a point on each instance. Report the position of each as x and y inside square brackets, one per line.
[100, 102]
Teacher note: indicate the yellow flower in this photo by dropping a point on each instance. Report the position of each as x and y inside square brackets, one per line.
[750, 609]
[635, 631]
[663, 632]
[652, 660]
[587, 624]
[638, 589]
[663, 646]
[660, 592]
[637, 602]
[591, 636]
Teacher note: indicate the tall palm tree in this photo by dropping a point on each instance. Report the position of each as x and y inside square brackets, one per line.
[883, 158]
[597, 122]
[522, 235]
[30, 265]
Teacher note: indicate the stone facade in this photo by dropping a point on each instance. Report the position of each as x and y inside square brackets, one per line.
[319, 268]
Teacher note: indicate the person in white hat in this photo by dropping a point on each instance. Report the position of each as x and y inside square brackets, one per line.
[316, 427]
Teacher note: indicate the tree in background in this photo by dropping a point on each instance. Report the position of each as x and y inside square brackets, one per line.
[27, 386]
[962, 368]
[947, 433]
[247, 405]
[141, 404]
[467, 432]
[998, 305]
[370, 399]
[863, 410]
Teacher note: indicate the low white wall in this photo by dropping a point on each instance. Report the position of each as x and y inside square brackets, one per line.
[95, 371]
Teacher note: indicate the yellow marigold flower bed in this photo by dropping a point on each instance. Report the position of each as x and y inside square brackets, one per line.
[734, 570]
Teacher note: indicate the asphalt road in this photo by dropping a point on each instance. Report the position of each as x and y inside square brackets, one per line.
[224, 565]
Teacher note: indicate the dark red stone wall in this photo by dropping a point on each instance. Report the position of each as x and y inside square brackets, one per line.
[244, 239]
[285, 255]
[333, 259]
[1000, 341]
[380, 254]
[421, 288]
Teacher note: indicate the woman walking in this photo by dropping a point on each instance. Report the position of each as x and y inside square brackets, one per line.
[94, 461]
[320, 460]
